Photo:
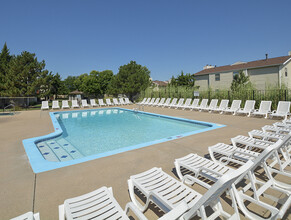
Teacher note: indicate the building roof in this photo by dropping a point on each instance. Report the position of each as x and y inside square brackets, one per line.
[248, 65]
[160, 83]
[76, 92]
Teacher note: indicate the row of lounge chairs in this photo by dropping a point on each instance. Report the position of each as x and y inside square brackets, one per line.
[243, 173]
[283, 109]
[84, 104]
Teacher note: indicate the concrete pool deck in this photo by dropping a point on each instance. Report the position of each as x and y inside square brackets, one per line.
[23, 191]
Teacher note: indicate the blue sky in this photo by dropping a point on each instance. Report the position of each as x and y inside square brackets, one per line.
[75, 37]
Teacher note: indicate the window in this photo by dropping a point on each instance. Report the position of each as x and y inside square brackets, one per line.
[235, 74]
[286, 73]
[217, 77]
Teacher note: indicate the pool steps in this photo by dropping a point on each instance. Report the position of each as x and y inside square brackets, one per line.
[58, 150]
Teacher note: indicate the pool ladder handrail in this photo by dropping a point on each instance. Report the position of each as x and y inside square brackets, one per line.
[10, 110]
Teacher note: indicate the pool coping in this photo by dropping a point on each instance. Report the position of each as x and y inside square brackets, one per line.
[39, 164]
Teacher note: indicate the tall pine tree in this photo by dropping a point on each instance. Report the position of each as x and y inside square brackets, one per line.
[5, 58]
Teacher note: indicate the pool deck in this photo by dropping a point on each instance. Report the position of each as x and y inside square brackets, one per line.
[23, 191]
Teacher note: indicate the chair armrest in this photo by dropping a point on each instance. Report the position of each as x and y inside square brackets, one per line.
[230, 160]
[135, 210]
[176, 212]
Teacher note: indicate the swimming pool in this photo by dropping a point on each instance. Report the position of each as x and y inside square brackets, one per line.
[89, 134]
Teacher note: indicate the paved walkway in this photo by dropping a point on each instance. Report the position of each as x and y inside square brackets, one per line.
[53, 187]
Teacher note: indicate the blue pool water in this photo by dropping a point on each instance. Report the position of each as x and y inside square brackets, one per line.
[89, 134]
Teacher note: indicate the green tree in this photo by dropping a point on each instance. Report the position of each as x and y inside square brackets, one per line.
[240, 81]
[69, 84]
[132, 78]
[25, 75]
[5, 59]
[187, 80]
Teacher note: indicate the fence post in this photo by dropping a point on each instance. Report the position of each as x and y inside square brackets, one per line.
[285, 95]
[228, 95]
[253, 94]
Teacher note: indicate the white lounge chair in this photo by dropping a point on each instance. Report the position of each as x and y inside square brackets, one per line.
[167, 193]
[84, 103]
[283, 110]
[93, 103]
[173, 103]
[186, 104]
[166, 103]
[55, 105]
[211, 106]
[162, 101]
[121, 101]
[222, 106]
[194, 104]
[155, 102]
[27, 216]
[248, 109]
[277, 129]
[101, 103]
[44, 105]
[203, 104]
[75, 104]
[99, 204]
[266, 136]
[115, 101]
[179, 104]
[235, 105]
[65, 104]
[264, 110]
[151, 102]
[127, 101]
[143, 101]
[108, 102]
[213, 171]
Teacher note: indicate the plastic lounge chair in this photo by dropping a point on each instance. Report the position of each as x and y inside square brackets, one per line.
[65, 104]
[151, 101]
[222, 106]
[276, 129]
[115, 101]
[186, 104]
[250, 143]
[248, 109]
[266, 136]
[55, 105]
[166, 192]
[146, 102]
[155, 102]
[212, 170]
[235, 105]
[167, 102]
[194, 104]
[121, 101]
[93, 103]
[75, 104]
[179, 104]
[44, 105]
[84, 103]
[127, 101]
[99, 204]
[283, 110]
[173, 103]
[224, 153]
[27, 216]
[143, 101]
[264, 110]
[101, 103]
[203, 104]
[162, 101]
[212, 105]
[108, 102]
